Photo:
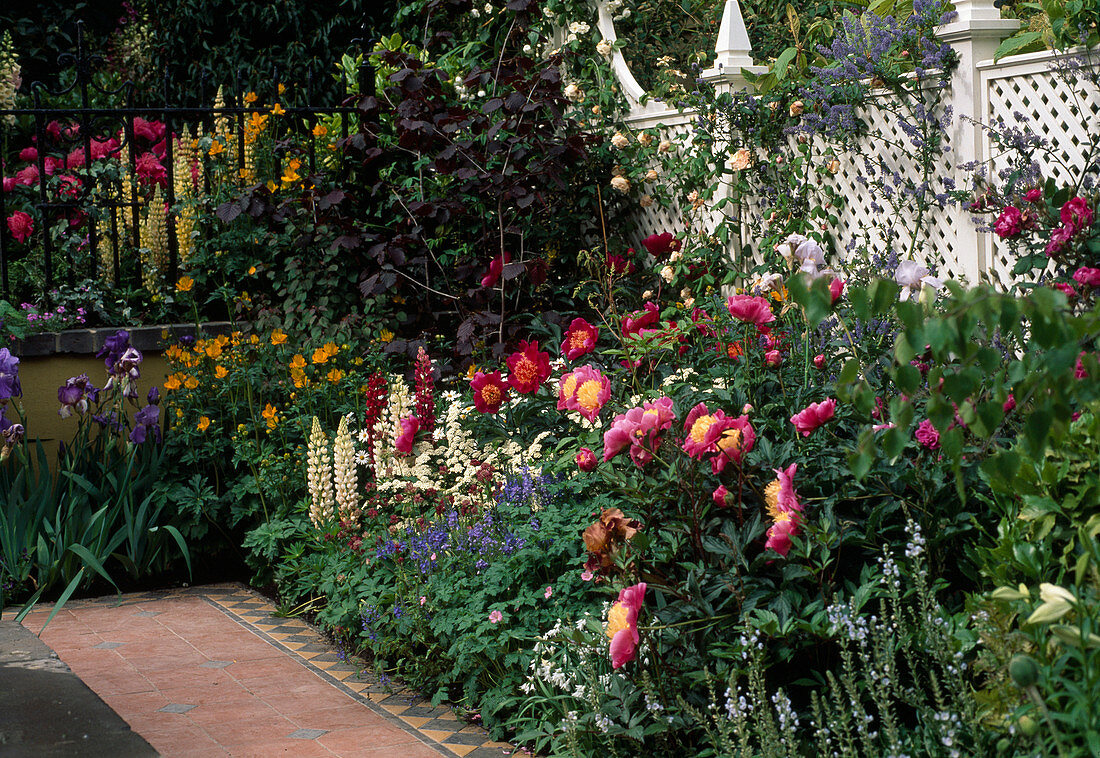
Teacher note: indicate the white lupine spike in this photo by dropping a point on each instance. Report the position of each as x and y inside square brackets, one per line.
[344, 472]
[319, 476]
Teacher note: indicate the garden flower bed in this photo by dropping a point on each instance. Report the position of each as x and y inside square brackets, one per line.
[618, 437]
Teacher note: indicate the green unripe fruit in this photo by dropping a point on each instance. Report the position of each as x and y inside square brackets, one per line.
[1028, 725]
[1023, 670]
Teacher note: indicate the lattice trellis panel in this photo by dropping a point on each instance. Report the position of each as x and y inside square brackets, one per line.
[1060, 111]
[659, 218]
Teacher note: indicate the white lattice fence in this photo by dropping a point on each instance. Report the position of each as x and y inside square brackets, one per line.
[980, 90]
[1056, 108]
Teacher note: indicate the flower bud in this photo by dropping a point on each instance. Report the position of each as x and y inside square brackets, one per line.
[1023, 670]
[586, 460]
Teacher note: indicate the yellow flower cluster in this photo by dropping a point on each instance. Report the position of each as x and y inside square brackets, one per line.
[154, 242]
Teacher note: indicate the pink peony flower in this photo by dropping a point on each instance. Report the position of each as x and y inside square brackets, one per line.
[721, 496]
[591, 391]
[702, 430]
[29, 154]
[489, 391]
[1009, 404]
[21, 225]
[1065, 289]
[567, 387]
[1089, 277]
[153, 131]
[819, 361]
[580, 339]
[528, 368]
[9, 183]
[496, 268]
[27, 176]
[813, 416]
[409, 427]
[1010, 223]
[1034, 195]
[737, 439]
[586, 460]
[780, 533]
[1077, 214]
[622, 624]
[639, 429]
[751, 310]
[927, 435]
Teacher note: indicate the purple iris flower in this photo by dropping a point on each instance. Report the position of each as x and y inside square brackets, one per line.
[9, 375]
[113, 348]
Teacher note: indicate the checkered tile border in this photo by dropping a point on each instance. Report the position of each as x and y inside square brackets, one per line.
[438, 727]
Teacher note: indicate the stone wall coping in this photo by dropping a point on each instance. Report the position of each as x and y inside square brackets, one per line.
[90, 341]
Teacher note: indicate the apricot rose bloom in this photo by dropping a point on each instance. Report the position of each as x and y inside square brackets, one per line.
[489, 391]
[622, 625]
[580, 339]
[813, 416]
[528, 368]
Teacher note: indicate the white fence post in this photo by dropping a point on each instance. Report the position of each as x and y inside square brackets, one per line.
[733, 54]
[974, 35]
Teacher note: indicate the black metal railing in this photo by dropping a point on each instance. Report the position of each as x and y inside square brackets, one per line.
[103, 125]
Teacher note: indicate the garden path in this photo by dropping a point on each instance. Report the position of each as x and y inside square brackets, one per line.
[211, 671]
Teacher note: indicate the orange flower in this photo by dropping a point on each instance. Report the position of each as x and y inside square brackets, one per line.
[298, 362]
[335, 375]
[270, 413]
[298, 377]
[185, 284]
[173, 382]
[278, 337]
[331, 349]
[278, 110]
[320, 355]
[320, 130]
[221, 372]
[282, 88]
[204, 422]
[251, 97]
[213, 349]
[191, 383]
[216, 148]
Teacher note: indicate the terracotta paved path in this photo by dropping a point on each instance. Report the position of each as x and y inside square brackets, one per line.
[211, 672]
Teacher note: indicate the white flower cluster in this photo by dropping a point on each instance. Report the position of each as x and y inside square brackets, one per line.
[617, 11]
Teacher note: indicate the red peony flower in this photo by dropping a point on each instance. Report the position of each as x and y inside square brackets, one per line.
[27, 176]
[496, 268]
[1077, 214]
[150, 170]
[659, 245]
[836, 289]
[489, 391]
[580, 340]
[813, 416]
[619, 266]
[638, 320]
[21, 225]
[927, 435]
[586, 460]
[29, 154]
[720, 496]
[1089, 277]
[1010, 223]
[409, 427]
[153, 131]
[751, 310]
[528, 368]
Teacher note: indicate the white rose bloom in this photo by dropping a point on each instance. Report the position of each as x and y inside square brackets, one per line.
[603, 47]
[668, 274]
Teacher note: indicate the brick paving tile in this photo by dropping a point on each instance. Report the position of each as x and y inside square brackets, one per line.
[214, 671]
